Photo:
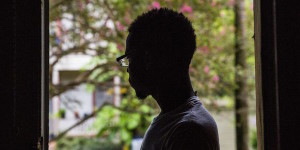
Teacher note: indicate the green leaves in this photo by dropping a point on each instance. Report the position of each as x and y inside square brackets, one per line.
[130, 119]
[83, 143]
[133, 121]
[126, 136]
[145, 108]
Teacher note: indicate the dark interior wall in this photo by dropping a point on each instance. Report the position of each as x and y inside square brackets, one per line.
[288, 60]
[6, 86]
[28, 72]
[22, 70]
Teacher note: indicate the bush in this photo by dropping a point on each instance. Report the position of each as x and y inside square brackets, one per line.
[61, 113]
[81, 143]
[253, 139]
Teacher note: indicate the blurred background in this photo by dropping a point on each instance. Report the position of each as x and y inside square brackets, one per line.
[93, 107]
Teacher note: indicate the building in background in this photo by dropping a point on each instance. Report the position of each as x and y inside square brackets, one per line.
[76, 103]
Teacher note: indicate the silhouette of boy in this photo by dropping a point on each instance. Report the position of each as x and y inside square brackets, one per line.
[159, 49]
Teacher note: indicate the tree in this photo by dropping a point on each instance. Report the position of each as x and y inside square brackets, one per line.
[83, 36]
[240, 92]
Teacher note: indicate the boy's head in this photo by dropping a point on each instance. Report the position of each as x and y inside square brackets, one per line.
[160, 44]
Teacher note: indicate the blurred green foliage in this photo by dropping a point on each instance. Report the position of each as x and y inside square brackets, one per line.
[253, 139]
[81, 143]
[125, 122]
[61, 113]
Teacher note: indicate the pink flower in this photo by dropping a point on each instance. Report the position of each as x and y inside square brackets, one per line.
[251, 6]
[120, 26]
[58, 28]
[191, 69]
[186, 8]
[127, 19]
[155, 4]
[169, 1]
[215, 78]
[223, 31]
[205, 49]
[80, 5]
[206, 69]
[231, 2]
[213, 3]
[120, 47]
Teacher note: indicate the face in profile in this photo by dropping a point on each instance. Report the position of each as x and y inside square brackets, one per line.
[136, 70]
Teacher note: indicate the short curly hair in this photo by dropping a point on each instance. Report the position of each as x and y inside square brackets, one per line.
[165, 35]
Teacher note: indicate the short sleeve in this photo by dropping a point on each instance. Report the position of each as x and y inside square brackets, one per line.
[189, 136]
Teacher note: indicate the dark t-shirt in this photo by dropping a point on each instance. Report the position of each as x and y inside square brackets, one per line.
[188, 127]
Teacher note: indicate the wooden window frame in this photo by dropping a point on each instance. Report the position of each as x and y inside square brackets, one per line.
[267, 111]
[45, 74]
